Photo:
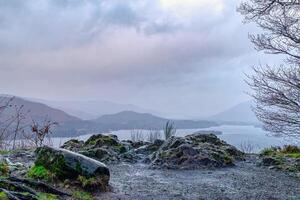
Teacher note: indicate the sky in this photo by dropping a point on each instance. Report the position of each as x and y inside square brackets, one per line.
[185, 58]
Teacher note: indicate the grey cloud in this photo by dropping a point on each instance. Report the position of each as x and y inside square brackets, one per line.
[126, 51]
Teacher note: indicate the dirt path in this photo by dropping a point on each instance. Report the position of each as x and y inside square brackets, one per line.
[245, 181]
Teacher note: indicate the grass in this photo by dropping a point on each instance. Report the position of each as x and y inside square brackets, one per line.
[3, 196]
[287, 150]
[39, 172]
[281, 155]
[47, 196]
[80, 195]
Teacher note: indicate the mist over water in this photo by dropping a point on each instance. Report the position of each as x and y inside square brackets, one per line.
[252, 136]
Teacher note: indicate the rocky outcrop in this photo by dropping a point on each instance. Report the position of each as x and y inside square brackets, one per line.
[195, 151]
[67, 165]
[191, 152]
[108, 149]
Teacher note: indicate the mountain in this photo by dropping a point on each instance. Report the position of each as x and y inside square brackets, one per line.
[92, 109]
[126, 120]
[39, 111]
[240, 113]
[130, 120]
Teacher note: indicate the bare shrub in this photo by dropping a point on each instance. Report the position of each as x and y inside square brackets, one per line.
[169, 130]
[42, 132]
[248, 147]
[137, 135]
[154, 135]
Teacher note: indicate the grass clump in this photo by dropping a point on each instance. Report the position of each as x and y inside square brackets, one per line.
[39, 172]
[4, 169]
[283, 158]
[3, 196]
[47, 196]
[290, 151]
[80, 195]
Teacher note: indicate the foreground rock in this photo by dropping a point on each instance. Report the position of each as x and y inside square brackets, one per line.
[65, 165]
[108, 149]
[195, 151]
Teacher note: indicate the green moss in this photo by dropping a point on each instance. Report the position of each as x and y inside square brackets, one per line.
[101, 140]
[47, 196]
[87, 182]
[293, 155]
[3, 196]
[4, 169]
[39, 172]
[228, 160]
[80, 195]
[120, 148]
[4, 152]
[54, 163]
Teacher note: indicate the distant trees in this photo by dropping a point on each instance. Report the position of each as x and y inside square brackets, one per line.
[276, 89]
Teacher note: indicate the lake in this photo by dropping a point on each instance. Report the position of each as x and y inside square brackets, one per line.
[248, 136]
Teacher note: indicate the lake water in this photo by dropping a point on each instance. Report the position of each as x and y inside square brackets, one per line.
[248, 136]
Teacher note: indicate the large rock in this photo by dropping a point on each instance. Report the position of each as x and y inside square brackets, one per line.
[65, 164]
[194, 152]
[104, 148]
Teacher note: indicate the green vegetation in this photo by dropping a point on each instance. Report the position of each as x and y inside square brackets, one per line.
[3, 196]
[87, 182]
[54, 164]
[228, 160]
[288, 151]
[80, 195]
[4, 152]
[282, 158]
[47, 196]
[39, 172]
[4, 169]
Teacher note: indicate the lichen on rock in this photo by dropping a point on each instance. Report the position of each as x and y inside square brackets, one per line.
[195, 151]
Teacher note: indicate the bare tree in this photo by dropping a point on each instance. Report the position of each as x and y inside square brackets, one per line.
[18, 129]
[280, 22]
[41, 131]
[276, 89]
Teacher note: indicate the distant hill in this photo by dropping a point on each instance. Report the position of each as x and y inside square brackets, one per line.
[88, 110]
[239, 113]
[39, 111]
[127, 120]
[130, 119]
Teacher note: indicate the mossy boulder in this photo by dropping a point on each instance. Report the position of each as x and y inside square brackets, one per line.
[104, 148]
[73, 145]
[149, 148]
[66, 165]
[194, 152]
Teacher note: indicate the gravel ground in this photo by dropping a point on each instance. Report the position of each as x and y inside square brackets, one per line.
[244, 181]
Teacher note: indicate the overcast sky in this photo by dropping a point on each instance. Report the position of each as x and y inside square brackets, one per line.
[182, 57]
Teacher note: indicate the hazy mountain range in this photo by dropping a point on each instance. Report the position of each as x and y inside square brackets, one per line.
[37, 111]
[92, 109]
[239, 113]
[76, 118]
